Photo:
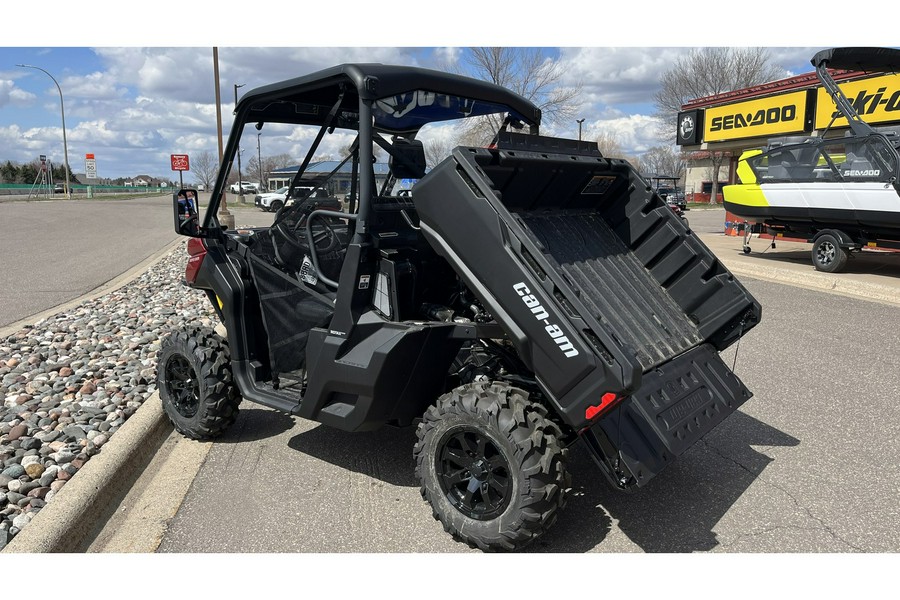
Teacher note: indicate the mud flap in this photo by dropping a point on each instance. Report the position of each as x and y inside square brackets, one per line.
[678, 403]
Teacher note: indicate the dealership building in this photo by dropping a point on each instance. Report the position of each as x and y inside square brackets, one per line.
[718, 129]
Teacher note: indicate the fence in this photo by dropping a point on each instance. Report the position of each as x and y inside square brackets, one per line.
[80, 191]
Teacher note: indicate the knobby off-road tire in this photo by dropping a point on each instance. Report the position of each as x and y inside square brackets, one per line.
[195, 383]
[490, 463]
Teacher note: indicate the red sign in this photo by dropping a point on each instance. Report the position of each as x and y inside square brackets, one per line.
[180, 162]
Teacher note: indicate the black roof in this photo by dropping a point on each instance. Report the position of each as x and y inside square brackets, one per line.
[859, 59]
[308, 99]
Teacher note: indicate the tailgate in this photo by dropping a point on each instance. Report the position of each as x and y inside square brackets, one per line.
[677, 404]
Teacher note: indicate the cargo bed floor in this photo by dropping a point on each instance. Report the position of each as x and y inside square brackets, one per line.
[612, 282]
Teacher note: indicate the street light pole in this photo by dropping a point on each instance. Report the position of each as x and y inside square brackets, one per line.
[240, 183]
[579, 121]
[259, 160]
[224, 213]
[62, 109]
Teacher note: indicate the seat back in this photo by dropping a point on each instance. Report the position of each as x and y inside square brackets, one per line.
[408, 159]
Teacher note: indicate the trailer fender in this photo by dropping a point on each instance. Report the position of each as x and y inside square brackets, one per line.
[846, 242]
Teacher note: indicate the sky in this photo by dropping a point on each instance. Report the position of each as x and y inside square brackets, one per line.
[140, 92]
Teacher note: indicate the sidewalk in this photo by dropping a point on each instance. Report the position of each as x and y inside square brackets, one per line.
[84, 507]
[870, 275]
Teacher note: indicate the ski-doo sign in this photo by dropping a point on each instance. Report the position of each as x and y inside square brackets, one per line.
[875, 99]
[774, 115]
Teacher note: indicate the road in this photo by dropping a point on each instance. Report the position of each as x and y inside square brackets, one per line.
[54, 251]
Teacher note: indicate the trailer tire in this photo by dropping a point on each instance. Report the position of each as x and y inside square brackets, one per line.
[195, 383]
[828, 255]
[490, 463]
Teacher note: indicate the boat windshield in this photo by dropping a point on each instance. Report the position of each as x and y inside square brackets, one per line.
[855, 159]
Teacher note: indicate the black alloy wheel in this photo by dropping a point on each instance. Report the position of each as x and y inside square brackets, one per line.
[474, 474]
[183, 386]
[828, 255]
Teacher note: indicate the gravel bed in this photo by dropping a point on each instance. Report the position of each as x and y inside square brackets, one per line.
[68, 382]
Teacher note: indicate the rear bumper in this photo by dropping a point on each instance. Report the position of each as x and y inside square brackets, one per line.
[677, 404]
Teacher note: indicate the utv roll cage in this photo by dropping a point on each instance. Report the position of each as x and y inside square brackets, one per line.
[371, 99]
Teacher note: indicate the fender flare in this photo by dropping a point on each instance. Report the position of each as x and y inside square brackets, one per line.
[846, 242]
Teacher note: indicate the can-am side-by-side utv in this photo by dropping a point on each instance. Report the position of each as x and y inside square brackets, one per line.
[510, 301]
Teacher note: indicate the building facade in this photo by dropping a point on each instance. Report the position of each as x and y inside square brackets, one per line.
[716, 130]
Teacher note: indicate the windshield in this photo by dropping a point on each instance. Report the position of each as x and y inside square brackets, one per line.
[868, 158]
[411, 110]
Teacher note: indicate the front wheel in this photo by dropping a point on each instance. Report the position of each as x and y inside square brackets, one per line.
[195, 383]
[275, 206]
[490, 463]
[827, 254]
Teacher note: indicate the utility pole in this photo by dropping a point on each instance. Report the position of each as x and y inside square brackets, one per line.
[225, 217]
[579, 121]
[240, 177]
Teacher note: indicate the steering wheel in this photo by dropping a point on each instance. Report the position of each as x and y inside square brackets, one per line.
[325, 233]
[183, 225]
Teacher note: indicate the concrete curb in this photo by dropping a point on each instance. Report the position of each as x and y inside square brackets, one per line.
[81, 507]
[816, 281]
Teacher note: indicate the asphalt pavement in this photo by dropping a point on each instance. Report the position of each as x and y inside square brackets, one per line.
[810, 464]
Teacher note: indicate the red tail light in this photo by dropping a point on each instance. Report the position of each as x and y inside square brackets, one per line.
[196, 252]
[607, 402]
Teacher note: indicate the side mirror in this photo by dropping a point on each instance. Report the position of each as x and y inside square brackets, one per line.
[186, 211]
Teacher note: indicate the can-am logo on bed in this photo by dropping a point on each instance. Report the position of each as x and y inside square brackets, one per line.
[541, 314]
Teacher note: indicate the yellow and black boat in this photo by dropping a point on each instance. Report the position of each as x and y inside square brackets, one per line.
[842, 193]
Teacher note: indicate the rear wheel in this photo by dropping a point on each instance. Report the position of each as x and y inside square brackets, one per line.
[490, 463]
[827, 254]
[195, 383]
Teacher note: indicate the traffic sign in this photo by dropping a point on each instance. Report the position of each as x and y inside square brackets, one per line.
[90, 166]
[181, 162]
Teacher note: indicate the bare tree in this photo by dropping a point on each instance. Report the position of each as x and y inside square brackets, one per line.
[437, 149]
[664, 160]
[610, 147]
[205, 167]
[709, 71]
[716, 158]
[529, 73]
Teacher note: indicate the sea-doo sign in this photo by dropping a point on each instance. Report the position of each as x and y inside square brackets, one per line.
[689, 127]
[773, 115]
[875, 99]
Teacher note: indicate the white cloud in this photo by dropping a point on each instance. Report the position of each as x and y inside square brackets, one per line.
[145, 103]
[10, 95]
[635, 133]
